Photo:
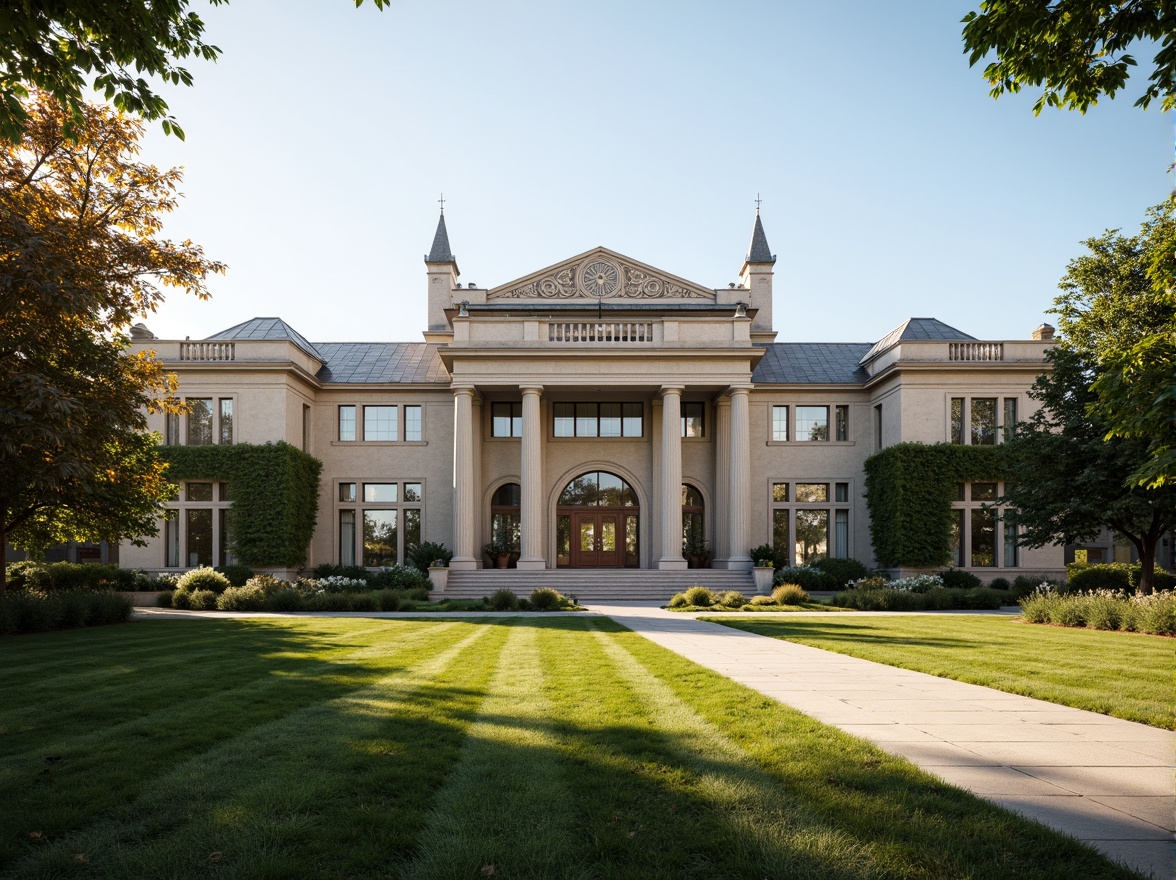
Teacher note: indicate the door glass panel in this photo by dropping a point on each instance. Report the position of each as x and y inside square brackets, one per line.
[812, 535]
[563, 540]
[608, 536]
[587, 537]
[631, 541]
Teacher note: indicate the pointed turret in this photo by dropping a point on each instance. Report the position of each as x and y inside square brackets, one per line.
[442, 269]
[756, 276]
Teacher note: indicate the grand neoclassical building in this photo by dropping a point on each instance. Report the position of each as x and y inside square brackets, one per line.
[589, 415]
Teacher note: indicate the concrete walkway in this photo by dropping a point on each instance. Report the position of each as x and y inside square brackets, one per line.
[1102, 780]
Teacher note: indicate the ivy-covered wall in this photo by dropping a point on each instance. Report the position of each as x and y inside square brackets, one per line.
[909, 490]
[275, 496]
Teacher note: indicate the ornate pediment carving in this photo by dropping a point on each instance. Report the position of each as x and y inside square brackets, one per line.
[601, 275]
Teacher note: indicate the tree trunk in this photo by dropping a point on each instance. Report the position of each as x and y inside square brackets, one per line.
[4, 561]
[1148, 542]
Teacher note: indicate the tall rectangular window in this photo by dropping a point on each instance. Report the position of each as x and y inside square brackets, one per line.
[412, 423]
[842, 423]
[957, 537]
[171, 540]
[957, 420]
[1010, 545]
[692, 414]
[841, 530]
[412, 527]
[877, 427]
[171, 430]
[506, 419]
[380, 424]
[347, 537]
[226, 421]
[812, 535]
[812, 423]
[199, 421]
[983, 421]
[780, 423]
[983, 537]
[223, 519]
[1010, 416]
[199, 536]
[305, 428]
[780, 540]
[379, 538]
[347, 423]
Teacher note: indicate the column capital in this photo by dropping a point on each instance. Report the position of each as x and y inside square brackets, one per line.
[462, 388]
[671, 389]
[531, 389]
[732, 390]
[723, 402]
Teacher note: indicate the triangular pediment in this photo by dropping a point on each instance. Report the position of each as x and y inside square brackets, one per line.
[602, 275]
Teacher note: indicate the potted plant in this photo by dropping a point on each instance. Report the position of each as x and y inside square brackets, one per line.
[498, 553]
[696, 550]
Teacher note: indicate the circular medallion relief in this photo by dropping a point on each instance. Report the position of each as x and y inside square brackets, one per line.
[600, 278]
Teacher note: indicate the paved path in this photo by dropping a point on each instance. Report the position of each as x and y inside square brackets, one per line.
[1102, 780]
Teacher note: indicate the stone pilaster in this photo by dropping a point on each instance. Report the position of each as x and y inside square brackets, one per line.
[531, 486]
[465, 503]
[740, 469]
[721, 519]
[671, 479]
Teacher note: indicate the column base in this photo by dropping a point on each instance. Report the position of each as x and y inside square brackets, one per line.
[671, 564]
[463, 563]
[538, 563]
[742, 563]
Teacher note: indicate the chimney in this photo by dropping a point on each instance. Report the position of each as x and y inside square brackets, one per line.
[1045, 331]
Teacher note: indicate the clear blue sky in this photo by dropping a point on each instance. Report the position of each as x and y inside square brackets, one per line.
[892, 185]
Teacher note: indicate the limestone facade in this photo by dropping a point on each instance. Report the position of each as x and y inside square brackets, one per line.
[495, 426]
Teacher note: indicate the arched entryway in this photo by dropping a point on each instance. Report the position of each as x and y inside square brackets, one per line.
[596, 523]
[505, 519]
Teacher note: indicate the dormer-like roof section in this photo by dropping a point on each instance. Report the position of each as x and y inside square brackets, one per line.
[270, 329]
[918, 329]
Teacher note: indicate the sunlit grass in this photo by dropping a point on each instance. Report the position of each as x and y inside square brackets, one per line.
[1127, 675]
[522, 747]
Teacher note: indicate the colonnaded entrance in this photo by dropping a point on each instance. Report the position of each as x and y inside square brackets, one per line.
[596, 523]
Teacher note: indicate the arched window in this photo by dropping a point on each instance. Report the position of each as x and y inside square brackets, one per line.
[598, 489]
[596, 522]
[504, 515]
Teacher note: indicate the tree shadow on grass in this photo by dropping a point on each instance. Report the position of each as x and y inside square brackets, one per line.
[848, 633]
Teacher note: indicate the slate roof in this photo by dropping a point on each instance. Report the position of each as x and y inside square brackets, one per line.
[440, 252]
[817, 363]
[408, 362]
[759, 252]
[930, 329]
[268, 328]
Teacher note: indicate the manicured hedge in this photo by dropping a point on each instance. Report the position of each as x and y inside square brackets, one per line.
[1155, 614]
[29, 611]
[275, 496]
[909, 488]
[1113, 576]
[938, 599]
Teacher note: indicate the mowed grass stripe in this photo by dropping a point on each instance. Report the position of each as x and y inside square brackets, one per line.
[334, 789]
[505, 808]
[769, 830]
[915, 824]
[99, 766]
[1125, 675]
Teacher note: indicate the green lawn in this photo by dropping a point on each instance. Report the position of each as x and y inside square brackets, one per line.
[1127, 675]
[518, 747]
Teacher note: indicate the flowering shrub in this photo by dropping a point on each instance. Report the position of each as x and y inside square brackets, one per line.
[1102, 609]
[339, 584]
[200, 579]
[919, 583]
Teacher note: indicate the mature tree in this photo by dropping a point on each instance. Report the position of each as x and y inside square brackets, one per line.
[1069, 476]
[80, 258]
[55, 45]
[1076, 49]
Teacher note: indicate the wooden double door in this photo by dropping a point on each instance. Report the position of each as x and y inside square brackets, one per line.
[598, 538]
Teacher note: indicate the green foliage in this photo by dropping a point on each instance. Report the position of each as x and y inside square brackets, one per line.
[999, 583]
[762, 600]
[1154, 614]
[400, 577]
[1076, 49]
[789, 594]
[198, 600]
[426, 553]
[275, 496]
[807, 576]
[164, 599]
[732, 599]
[1120, 576]
[237, 574]
[937, 599]
[242, 599]
[960, 580]
[27, 611]
[202, 579]
[503, 600]
[909, 490]
[546, 599]
[777, 558]
[678, 600]
[329, 569]
[842, 571]
[75, 576]
[700, 597]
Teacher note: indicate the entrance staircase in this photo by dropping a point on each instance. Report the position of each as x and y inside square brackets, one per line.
[596, 584]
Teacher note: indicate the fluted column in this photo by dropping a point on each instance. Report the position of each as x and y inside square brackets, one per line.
[671, 479]
[720, 518]
[531, 485]
[740, 498]
[464, 501]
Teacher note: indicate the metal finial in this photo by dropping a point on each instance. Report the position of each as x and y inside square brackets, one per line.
[757, 203]
[442, 201]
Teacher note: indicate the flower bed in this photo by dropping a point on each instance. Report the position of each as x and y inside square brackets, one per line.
[1103, 609]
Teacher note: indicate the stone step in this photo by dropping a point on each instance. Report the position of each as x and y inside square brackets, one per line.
[595, 584]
